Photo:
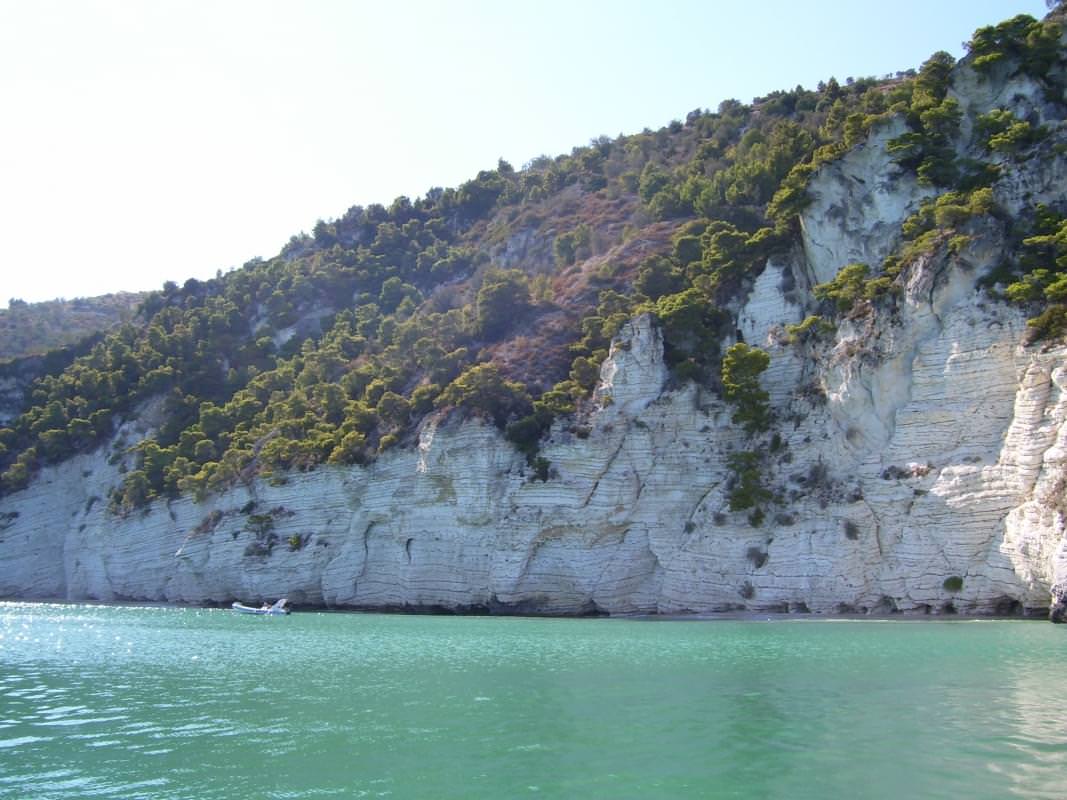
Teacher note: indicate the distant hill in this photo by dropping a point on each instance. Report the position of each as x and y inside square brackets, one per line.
[29, 329]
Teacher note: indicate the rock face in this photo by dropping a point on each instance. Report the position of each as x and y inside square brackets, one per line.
[862, 191]
[918, 461]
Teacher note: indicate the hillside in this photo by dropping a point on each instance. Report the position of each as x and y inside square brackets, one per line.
[738, 311]
[33, 329]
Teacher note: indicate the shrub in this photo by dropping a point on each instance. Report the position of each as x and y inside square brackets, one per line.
[1001, 131]
[482, 389]
[847, 287]
[260, 524]
[541, 467]
[1049, 324]
[526, 433]
[791, 198]
[741, 368]
[394, 408]
[653, 181]
[1044, 285]
[502, 299]
[748, 490]
[811, 329]
[1033, 45]
[690, 327]
[933, 119]
[658, 276]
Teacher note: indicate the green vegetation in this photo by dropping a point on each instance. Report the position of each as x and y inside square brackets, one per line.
[933, 120]
[572, 245]
[942, 221]
[335, 350]
[847, 287]
[502, 300]
[29, 329]
[747, 491]
[811, 329]
[741, 368]
[1027, 45]
[482, 390]
[1040, 274]
[1001, 131]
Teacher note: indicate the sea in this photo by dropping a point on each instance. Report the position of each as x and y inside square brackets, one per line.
[166, 702]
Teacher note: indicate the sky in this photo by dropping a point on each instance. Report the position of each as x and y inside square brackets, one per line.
[148, 140]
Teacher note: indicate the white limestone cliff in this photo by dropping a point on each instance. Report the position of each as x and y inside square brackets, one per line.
[957, 472]
[862, 192]
[917, 460]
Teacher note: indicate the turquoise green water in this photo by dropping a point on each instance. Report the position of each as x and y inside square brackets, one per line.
[184, 703]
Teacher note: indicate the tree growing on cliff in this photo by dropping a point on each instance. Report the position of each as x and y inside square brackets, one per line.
[690, 327]
[747, 489]
[846, 288]
[502, 299]
[741, 367]
[482, 388]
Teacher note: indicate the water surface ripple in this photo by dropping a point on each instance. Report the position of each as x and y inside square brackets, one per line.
[146, 702]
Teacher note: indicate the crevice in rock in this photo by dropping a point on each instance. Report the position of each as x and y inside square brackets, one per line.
[604, 570]
[604, 471]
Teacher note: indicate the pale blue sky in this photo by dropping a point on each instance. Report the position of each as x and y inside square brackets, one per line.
[150, 141]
